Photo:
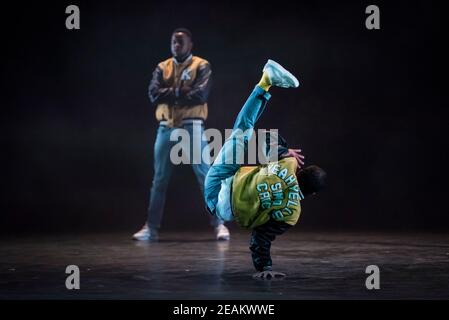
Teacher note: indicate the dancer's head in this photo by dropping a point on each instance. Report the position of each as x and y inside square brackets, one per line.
[181, 43]
[311, 179]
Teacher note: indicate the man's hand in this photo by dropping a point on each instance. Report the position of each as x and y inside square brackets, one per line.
[296, 153]
[184, 90]
[269, 275]
[181, 91]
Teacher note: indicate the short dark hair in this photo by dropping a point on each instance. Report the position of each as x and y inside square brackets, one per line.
[311, 179]
[183, 30]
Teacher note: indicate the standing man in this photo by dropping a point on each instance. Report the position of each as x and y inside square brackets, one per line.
[179, 89]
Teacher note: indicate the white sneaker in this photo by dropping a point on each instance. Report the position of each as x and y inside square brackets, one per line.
[146, 234]
[222, 233]
[279, 76]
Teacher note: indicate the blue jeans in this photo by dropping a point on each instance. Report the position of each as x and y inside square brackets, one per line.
[226, 164]
[163, 168]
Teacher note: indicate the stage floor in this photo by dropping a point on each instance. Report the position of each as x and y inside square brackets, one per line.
[320, 265]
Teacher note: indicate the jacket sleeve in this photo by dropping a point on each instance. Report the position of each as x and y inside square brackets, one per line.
[157, 91]
[261, 239]
[201, 87]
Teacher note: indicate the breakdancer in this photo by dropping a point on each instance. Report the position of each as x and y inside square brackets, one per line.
[265, 198]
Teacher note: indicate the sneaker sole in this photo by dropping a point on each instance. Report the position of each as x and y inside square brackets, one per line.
[293, 80]
[146, 239]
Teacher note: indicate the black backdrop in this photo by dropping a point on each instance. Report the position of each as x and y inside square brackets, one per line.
[77, 130]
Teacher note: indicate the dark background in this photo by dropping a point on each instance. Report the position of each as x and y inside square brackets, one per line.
[77, 129]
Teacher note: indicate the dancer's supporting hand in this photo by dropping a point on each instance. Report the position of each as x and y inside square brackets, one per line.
[296, 153]
[269, 275]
